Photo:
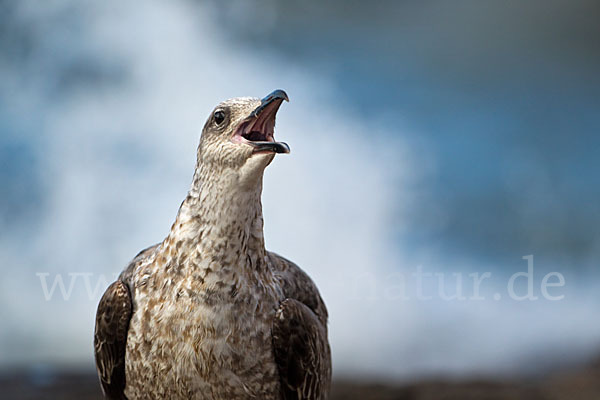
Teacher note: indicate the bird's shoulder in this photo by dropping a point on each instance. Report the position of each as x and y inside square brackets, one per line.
[141, 257]
[297, 285]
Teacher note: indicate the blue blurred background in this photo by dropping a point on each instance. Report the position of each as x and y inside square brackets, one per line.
[455, 136]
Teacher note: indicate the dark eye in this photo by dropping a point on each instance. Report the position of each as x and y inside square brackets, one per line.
[219, 117]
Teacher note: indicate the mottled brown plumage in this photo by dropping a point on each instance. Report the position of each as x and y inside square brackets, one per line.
[208, 313]
[112, 322]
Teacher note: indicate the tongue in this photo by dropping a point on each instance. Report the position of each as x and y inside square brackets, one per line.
[277, 147]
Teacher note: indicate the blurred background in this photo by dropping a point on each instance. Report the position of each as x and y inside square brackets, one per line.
[446, 137]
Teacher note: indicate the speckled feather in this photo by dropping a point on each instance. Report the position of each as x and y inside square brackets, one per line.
[208, 313]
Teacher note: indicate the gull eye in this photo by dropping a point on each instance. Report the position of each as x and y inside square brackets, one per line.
[219, 117]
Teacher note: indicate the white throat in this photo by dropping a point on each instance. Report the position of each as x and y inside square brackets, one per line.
[221, 221]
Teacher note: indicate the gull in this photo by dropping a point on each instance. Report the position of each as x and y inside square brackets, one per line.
[209, 313]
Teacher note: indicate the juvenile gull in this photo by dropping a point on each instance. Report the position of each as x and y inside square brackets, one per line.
[209, 313]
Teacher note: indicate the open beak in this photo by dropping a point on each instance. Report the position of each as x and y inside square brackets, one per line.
[259, 127]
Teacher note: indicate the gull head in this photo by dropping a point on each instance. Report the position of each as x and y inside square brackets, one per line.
[239, 136]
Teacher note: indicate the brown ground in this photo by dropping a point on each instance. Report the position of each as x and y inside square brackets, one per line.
[583, 384]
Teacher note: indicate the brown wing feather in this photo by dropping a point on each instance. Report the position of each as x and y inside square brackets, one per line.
[300, 341]
[110, 338]
[301, 352]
